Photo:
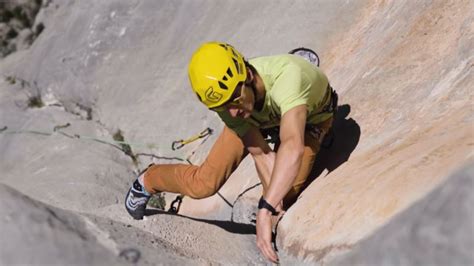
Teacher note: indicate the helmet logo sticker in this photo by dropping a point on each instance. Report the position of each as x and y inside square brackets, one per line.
[213, 96]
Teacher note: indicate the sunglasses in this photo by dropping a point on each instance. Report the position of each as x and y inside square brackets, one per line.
[236, 100]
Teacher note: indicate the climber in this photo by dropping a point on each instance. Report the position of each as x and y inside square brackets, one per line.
[284, 92]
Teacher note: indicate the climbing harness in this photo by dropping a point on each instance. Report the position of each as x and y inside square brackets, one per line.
[331, 106]
[178, 144]
[307, 54]
[272, 134]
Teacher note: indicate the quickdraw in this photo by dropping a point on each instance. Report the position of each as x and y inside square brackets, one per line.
[307, 54]
[176, 204]
[178, 144]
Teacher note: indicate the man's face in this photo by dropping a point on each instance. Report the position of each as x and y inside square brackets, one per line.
[243, 105]
[242, 102]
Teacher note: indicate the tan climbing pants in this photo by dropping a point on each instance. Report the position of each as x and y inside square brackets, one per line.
[226, 154]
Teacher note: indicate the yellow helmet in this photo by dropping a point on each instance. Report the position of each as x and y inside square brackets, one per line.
[214, 71]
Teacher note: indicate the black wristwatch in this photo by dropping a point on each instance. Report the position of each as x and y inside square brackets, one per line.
[263, 204]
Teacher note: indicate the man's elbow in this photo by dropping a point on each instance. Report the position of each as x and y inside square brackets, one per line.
[296, 147]
[299, 150]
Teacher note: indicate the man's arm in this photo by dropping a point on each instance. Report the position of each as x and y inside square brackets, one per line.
[287, 164]
[263, 155]
[290, 152]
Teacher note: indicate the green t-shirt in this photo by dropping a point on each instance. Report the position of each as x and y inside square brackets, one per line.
[289, 81]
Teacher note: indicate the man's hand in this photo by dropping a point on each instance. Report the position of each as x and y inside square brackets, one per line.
[264, 235]
[286, 164]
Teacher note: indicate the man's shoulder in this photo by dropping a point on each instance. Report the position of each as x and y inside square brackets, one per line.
[277, 64]
[288, 58]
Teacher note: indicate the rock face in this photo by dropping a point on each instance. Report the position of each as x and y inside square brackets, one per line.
[33, 233]
[37, 234]
[116, 70]
[436, 230]
[405, 69]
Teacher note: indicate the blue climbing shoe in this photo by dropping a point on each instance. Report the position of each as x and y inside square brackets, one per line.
[136, 200]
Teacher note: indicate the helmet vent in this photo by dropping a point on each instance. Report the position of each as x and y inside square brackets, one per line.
[223, 46]
[235, 54]
[237, 66]
[225, 78]
[222, 85]
[229, 72]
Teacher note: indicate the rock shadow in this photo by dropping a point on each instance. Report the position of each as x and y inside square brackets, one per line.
[335, 150]
[346, 135]
[229, 226]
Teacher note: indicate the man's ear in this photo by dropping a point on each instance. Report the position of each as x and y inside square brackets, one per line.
[249, 75]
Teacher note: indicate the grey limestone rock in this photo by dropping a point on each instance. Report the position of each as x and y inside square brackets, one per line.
[437, 230]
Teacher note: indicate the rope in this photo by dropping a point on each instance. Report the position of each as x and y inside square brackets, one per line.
[114, 143]
[58, 128]
[175, 205]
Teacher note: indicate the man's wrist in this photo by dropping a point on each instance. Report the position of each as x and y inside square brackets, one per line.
[265, 212]
[264, 205]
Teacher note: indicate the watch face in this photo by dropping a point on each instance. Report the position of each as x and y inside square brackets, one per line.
[307, 54]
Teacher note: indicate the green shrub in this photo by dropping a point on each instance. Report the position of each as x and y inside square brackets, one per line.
[157, 201]
[35, 101]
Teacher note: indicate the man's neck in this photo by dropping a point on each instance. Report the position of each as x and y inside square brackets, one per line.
[259, 92]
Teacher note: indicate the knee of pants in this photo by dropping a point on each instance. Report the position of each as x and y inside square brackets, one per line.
[202, 191]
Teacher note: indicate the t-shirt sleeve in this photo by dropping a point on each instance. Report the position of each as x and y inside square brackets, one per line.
[238, 125]
[291, 88]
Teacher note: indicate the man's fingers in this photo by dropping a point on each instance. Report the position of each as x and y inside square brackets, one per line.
[271, 255]
[268, 252]
[264, 236]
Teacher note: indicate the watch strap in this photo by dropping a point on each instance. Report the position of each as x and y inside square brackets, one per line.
[263, 204]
